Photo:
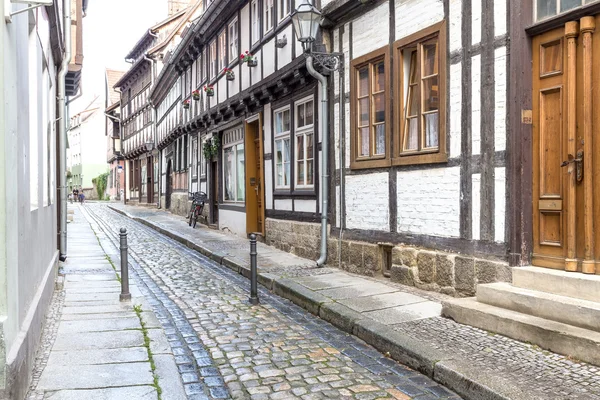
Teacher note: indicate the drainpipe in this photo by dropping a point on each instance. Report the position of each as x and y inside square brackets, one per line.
[324, 148]
[62, 127]
[153, 63]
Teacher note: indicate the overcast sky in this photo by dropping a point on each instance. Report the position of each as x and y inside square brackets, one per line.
[110, 30]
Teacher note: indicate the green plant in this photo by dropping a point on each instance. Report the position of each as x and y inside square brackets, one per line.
[211, 147]
[100, 182]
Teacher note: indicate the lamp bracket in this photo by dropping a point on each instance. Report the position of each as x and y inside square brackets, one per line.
[330, 61]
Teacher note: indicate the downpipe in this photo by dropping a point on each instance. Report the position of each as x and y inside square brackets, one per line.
[324, 155]
[62, 127]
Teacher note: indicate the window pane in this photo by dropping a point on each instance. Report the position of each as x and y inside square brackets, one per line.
[411, 141]
[566, 5]
[300, 147]
[363, 112]
[309, 172]
[300, 115]
[545, 8]
[241, 184]
[378, 77]
[414, 101]
[379, 100]
[380, 139]
[309, 146]
[227, 172]
[430, 94]
[279, 162]
[363, 81]
[282, 121]
[431, 129]
[300, 173]
[430, 60]
[413, 66]
[286, 157]
[363, 141]
[308, 111]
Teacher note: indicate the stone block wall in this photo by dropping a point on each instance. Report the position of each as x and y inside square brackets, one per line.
[300, 238]
[180, 204]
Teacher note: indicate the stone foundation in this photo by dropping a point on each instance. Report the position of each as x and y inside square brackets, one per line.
[453, 274]
[180, 204]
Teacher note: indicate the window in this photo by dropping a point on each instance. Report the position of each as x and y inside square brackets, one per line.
[212, 59]
[421, 107]
[304, 117]
[268, 17]
[369, 110]
[233, 166]
[202, 159]
[194, 157]
[283, 9]
[222, 50]
[282, 149]
[255, 21]
[233, 41]
[548, 8]
[203, 65]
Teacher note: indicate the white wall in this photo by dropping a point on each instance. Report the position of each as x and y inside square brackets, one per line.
[234, 221]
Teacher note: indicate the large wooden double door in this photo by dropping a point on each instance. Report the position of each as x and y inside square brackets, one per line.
[566, 147]
[255, 192]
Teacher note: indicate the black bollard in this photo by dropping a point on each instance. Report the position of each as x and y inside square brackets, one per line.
[125, 295]
[253, 273]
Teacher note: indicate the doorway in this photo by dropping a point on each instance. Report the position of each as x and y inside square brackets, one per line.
[255, 211]
[149, 179]
[566, 172]
[169, 184]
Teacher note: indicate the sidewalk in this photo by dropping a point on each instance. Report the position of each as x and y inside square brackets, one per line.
[95, 346]
[402, 321]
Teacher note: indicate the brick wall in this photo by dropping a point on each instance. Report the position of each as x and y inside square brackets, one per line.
[367, 202]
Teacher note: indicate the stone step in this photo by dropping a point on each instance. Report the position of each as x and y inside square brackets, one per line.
[582, 313]
[563, 283]
[581, 344]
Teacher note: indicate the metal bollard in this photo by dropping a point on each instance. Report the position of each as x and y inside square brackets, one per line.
[125, 295]
[253, 274]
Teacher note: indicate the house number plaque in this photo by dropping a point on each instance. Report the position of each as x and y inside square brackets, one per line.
[526, 117]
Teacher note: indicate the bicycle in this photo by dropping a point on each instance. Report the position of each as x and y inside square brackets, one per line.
[198, 200]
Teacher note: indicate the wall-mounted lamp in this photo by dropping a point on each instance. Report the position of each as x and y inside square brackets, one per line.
[281, 42]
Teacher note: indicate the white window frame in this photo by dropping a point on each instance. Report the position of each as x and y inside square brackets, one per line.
[201, 157]
[232, 40]
[303, 131]
[255, 17]
[283, 9]
[222, 51]
[194, 157]
[212, 59]
[281, 137]
[268, 15]
[234, 145]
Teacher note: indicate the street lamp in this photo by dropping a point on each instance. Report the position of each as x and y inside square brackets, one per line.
[149, 145]
[307, 21]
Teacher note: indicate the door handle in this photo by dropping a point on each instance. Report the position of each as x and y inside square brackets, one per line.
[578, 164]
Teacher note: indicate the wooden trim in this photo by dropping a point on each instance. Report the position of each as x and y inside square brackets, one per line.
[558, 20]
[382, 53]
[421, 157]
[571, 33]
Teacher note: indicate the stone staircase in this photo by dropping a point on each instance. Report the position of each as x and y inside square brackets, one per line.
[556, 310]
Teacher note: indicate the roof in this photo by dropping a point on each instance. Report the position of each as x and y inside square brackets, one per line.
[131, 70]
[112, 77]
[188, 14]
[148, 34]
[113, 106]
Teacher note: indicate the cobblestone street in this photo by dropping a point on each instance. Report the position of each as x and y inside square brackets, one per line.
[272, 351]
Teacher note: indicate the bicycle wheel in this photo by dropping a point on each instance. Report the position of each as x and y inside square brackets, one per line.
[195, 218]
[191, 216]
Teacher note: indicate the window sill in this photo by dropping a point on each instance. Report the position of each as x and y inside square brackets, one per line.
[370, 163]
[426, 158]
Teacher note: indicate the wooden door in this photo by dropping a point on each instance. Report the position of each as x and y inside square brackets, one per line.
[214, 192]
[149, 179]
[565, 172]
[255, 211]
[169, 184]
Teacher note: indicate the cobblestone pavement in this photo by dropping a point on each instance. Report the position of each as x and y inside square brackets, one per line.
[272, 351]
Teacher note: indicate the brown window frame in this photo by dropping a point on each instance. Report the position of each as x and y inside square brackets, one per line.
[421, 156]
[371, 58]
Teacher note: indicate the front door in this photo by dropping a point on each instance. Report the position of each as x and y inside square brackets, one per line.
[214, 192]
[149, 178]
[169, 184]
[255, 211]
[566, 172]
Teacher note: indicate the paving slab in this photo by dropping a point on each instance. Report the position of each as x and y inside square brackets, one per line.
[381, 301]
[91, 277]
[93, 285]
[78, 317]
[90, 296]
[158, 342]
[328, 281]
[93, 303]
[366, 288]
[82, 290]
[99, 340]
[410, 312]
[103, 356]
[57, 377]
[122, 393]
[169, 377]
[99, 325]
[110, 308]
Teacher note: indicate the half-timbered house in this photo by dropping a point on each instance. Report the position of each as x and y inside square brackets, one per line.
[137, 115]
[248, 136]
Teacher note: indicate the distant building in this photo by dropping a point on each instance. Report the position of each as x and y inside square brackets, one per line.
[114, 158]
[32, 50]
[86, 156]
